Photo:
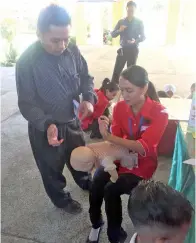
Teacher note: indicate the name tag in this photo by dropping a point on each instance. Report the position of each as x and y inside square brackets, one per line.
[130, 161]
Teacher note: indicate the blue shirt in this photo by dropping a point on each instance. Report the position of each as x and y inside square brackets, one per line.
[134, 30]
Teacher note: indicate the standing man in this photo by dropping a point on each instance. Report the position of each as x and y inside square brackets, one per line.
[50, 74]
[131, 31]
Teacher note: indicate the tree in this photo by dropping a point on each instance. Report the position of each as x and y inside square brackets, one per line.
[8, 32]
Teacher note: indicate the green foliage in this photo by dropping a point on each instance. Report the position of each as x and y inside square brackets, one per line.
[11, 57]
[72, 40]
[8, 29]
[8, 32]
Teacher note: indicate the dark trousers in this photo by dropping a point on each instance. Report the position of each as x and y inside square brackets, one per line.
[103, 188]
[124, 55]
[51, 160]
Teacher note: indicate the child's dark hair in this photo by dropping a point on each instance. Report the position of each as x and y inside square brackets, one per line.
[138, 76]
[108, 85]
[153, 203]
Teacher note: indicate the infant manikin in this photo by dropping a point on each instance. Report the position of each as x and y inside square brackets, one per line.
[104, 154]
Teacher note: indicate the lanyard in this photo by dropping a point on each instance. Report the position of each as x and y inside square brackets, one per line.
[130, 127]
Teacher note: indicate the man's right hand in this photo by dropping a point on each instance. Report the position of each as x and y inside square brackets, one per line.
[52, 135]
[122, 28]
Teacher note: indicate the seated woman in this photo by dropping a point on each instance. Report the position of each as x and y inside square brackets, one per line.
[104, 153]
[105, 94]
[138, 124]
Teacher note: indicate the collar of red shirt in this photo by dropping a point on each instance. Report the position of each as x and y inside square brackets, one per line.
[145, 110]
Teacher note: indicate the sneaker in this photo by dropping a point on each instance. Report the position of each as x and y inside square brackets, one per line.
[97, 241]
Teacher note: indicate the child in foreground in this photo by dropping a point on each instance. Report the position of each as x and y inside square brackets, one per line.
[159, 213]
[105, 94]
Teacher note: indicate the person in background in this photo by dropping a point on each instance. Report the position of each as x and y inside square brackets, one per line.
[138, 124]
[105, 94]
[131, 31]
[50, 74]
[162, 94]
[170, 90]
[192, 91]
[159, 213]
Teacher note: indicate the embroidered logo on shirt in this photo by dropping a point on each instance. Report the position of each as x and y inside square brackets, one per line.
[143, 128]
[164, 111]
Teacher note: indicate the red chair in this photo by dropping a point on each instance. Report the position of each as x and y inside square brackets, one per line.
[167, 143]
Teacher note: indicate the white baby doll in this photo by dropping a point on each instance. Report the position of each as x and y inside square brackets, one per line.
[101, 154]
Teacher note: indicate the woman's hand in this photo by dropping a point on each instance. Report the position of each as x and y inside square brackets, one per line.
[103, 126]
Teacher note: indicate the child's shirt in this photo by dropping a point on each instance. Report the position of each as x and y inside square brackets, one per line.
[99, 108]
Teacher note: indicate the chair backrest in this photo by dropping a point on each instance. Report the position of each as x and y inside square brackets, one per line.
[167, 143]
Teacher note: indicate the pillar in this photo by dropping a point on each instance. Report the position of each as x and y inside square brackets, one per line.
[117, 14]
[80, 24]
[173, 21]
[96, 25]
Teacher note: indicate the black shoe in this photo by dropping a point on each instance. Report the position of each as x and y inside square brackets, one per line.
[123, 235]
[72, 207]
[69, 205]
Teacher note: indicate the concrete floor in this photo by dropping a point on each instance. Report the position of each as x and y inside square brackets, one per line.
[27, 214]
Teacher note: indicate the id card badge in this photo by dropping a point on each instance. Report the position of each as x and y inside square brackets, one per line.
[135, 159]
[130, 161]
[76, 107]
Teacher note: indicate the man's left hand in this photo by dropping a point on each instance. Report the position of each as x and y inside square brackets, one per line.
[85, 109]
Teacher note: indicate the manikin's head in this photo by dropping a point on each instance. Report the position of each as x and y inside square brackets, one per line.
[159, 213]
[53, 29]
[83, 159]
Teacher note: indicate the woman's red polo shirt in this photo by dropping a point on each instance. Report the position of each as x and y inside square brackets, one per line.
[147, 128]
